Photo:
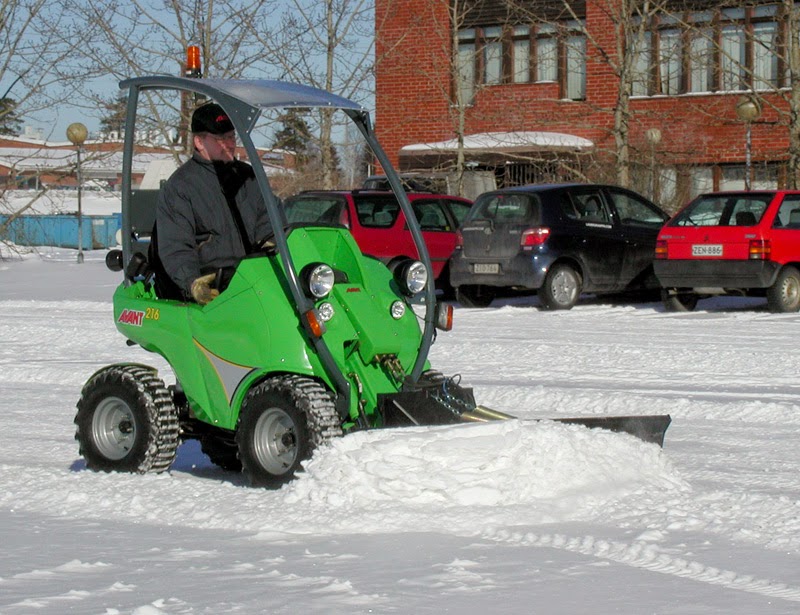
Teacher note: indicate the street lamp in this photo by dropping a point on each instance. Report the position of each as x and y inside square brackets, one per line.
[653, 136]
[748, 110]
[77, 134]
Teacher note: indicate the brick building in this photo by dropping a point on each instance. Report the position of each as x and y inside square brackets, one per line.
[540, 90]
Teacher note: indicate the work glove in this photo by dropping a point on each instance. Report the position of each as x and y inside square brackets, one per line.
[202, 291]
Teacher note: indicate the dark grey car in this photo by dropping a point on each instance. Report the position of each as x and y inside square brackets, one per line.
[557, 240]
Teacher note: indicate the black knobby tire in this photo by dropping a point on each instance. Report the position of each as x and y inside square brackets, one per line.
[282, 421]
[679, 302]
[784, 294]
[561, 289]
[127, 421]
[475, 296]
[222, 451]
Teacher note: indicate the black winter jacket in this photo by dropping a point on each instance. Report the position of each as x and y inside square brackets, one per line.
[197, 232]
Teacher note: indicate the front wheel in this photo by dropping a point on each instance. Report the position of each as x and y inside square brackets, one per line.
[282, 420]
[561, 289]
[784, 294]
[681, 301]
[127, 421]
[475, 296]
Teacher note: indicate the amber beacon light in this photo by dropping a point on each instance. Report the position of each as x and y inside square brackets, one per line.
[193, 66]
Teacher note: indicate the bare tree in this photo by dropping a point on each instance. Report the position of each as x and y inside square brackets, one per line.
[126, 39]
[33, 74]
[792, 12]
[327, 44]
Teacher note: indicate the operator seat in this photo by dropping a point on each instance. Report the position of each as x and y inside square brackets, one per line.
[164, 285]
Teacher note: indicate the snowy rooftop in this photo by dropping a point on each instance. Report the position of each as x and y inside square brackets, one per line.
[491, 142]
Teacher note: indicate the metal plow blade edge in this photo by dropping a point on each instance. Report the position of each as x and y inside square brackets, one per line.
[428, 407]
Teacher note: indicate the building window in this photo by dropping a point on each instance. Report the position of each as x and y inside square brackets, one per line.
[546, 53]
[670, 60]
[576, 67]
[494, 55]
[521, 50]
[710, 51]
[465, 66]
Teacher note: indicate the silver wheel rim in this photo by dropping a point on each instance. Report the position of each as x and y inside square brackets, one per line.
[275, 441]
[564, 287]
[791, 292]
[113, 428]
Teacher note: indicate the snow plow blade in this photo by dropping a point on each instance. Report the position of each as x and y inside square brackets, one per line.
[647, 428]
[427, 406]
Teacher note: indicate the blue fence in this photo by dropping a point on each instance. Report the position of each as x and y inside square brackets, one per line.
[61, 231]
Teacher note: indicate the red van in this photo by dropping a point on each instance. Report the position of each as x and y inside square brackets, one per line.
[735, 243]
[379, 226]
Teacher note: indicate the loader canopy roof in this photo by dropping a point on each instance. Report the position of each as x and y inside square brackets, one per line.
[259, 93]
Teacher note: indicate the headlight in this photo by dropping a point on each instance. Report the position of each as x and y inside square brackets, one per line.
[398, 309]
[411, 276]
[319, 279]
[326, 311]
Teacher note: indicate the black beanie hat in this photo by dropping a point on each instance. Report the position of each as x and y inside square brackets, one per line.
[211, 118]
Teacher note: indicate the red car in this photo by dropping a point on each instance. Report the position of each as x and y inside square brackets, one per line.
[379, 225]
[737, 243]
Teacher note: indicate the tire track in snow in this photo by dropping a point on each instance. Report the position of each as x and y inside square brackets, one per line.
[649, 557]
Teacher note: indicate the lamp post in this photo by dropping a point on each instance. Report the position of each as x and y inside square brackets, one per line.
[748, 110]
[653, 136]
[77, 134]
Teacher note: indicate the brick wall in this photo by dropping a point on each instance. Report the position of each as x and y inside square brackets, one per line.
[412, 87]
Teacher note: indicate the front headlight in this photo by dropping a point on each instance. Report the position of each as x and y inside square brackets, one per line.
[411, 276]
[318, 279]
[397, 310]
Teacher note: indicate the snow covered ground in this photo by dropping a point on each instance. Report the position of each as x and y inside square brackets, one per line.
[517, 517]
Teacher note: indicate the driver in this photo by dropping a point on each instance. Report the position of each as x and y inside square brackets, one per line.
[210, 213]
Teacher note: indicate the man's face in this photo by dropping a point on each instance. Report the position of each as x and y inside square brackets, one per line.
[219, 148]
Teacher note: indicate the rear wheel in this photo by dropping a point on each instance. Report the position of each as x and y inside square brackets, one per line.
[561, 288]
[784, 294]
[127, 421]
[475, 296]
[282, 420]
[683, 301]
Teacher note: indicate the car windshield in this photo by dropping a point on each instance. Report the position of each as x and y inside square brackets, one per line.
[507, 208]
[310, 209]
[724, 210]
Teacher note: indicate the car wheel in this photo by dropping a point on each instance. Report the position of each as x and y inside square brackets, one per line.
[679, 302]
[561, 289]
[443, 284]
[475, 296]
[784, 294]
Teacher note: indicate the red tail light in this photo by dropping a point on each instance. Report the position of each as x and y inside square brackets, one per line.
[533, 237]
[760, 249]
[459, 240]
[661, 249]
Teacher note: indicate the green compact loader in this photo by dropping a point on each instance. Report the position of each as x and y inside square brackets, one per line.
[308, 340]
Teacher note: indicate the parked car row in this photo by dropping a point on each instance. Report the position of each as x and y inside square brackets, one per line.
[561, 240]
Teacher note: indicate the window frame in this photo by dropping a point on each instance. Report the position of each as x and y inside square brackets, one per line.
[479, 48]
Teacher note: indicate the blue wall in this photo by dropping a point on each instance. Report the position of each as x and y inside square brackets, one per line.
[61, 231]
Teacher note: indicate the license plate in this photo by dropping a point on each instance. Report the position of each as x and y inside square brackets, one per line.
[486, 268]
[707, 249]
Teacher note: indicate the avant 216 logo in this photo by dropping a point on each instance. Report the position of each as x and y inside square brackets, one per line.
[137, 317]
